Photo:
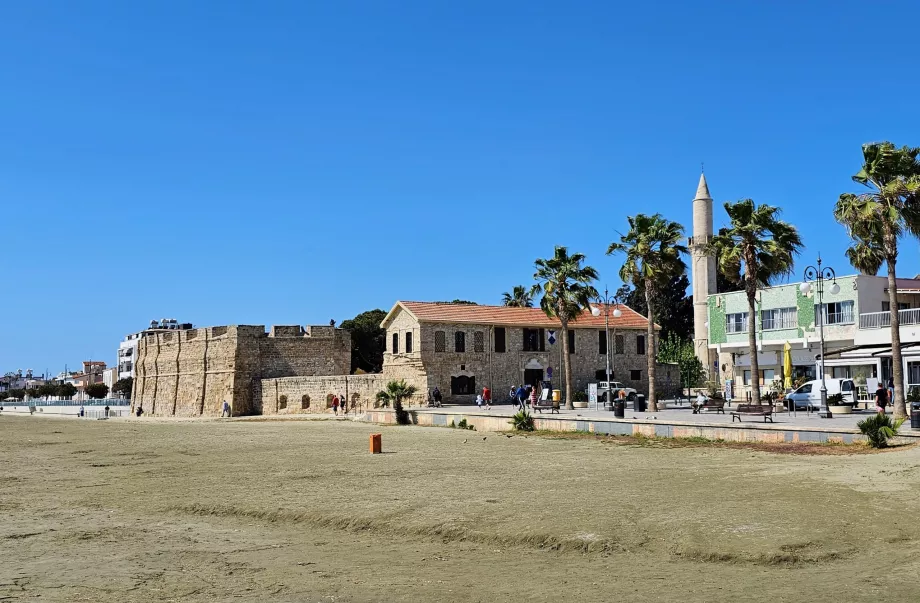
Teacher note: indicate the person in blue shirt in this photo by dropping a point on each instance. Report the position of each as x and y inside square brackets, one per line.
[521, 396]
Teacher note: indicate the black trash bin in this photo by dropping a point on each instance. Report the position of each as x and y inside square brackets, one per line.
[619, 409]
[915, 415]
[640, 405]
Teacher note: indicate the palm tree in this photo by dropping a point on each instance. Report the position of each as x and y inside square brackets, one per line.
[653, 258]
[875, 220]
[519, 297]
[754, 251]
[395, 393]
[566, 288]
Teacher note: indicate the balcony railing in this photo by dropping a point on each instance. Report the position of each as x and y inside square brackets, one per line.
[882, 320]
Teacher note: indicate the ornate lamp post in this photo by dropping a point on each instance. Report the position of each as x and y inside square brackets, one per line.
[616, 314]
[819, 275]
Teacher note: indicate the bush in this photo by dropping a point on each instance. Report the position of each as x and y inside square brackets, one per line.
[835, 400]
[579, 396]
[462, 424]
[522, 421]
[879, 429]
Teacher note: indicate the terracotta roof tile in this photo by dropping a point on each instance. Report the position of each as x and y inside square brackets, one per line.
[524, 317]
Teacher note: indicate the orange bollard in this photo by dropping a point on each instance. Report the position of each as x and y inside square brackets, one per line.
[376, 443]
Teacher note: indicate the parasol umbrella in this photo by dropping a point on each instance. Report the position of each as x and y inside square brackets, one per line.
[787, 365]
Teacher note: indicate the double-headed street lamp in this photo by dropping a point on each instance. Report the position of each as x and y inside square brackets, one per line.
[616, 314]
[819, 275]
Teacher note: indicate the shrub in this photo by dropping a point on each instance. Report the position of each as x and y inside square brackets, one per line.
[462, 424]
[879, 429]
[835, 399]
[522, 421]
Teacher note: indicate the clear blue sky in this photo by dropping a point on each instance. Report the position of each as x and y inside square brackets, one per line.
[292, 162]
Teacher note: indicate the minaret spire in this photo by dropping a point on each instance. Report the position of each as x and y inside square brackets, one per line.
[703, 271]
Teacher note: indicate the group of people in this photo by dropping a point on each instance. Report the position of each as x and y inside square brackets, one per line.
[524, 394]
[340, 401]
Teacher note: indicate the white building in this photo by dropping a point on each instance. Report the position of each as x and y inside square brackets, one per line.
[127, 349]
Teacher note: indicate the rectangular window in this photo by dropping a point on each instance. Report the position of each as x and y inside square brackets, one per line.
[500, 339]
[620, 343]
[640, 345]
[840, 372]
[395, 343]
[747, 377]
[602, 342]
[600, 375]
[736, 323]
[779, 318]
[635, 375]
[479, 342]
[767, 376]
[571, 342]
[459, 341]
[534, 340]
[440, 341]
[409, 342]
[837, 313]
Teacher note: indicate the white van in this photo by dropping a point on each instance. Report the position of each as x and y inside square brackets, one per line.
[809, 394]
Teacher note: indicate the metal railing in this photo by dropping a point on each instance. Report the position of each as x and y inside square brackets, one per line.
[882, 320]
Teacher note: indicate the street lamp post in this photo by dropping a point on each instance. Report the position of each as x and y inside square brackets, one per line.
[616, 314]
[819, 275]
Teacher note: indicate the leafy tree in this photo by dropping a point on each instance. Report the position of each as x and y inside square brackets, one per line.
[16, 393]
[674, 312]
[368, 340]
[654, 253]
[97, 390]
[519, 297]
[876, 220]
[48, 389]
[394, 394]
[675, 350]
[32, 392]
[67, 390]
[755, 250]
[566, 289]
[123, 386]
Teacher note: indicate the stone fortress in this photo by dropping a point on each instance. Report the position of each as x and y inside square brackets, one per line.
[459, 349]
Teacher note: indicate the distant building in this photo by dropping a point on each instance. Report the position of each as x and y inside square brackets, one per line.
[93, 371]
[127, 349]
[857, 335]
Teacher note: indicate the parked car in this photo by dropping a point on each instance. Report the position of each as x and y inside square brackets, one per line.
[808, 395]
[603, 387]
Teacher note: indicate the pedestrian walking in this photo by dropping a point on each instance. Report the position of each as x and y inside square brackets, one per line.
[225, 410]
[106, 410]
[521, 396]
[479, 401]
[487, 397]
[891, 389]
[335, 405]
[512, 395]
[82, 412]
[533, 397]
[437, 396]
[342, 402]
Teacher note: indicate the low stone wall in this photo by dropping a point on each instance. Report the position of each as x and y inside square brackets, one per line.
[307, 395]
[738, 433]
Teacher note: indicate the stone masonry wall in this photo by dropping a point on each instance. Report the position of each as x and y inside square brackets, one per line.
[302, 395]
[191, 373]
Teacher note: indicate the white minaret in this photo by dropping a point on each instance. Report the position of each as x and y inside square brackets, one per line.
[703, 272]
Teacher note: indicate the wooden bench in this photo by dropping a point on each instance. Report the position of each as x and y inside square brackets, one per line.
[754, 410]
[551, 405]
[716, 405]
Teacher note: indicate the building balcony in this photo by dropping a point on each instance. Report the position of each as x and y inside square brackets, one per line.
[882, 320]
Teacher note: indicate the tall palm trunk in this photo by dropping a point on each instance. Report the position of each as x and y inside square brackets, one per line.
[750, 286]
[897, 370]
[566, 364]
[650, 348]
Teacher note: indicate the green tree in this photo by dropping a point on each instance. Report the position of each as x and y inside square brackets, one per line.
[67, 391]
[876, 220]
[395, 393]
[123, 386]
[368, 340]
[566, 291]
[48, 389]
[97, 390]
[673, 313]
[675, 350]
[519, 297]
[19, 394]
[754, 250]
[654, 253]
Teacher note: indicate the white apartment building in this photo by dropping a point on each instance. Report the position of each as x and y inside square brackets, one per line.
[127, 349]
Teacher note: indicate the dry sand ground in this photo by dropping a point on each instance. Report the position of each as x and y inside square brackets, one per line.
[299, 511]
